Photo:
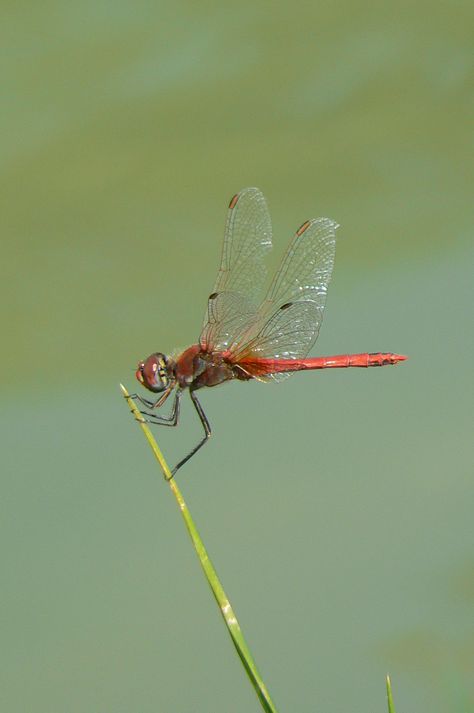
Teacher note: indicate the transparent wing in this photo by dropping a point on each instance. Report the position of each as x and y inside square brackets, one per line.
[234, 302]
[288, 334]
[229, 315]
[306, 269]
[289, 319]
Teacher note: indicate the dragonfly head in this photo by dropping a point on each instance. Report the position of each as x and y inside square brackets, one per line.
[155, 373]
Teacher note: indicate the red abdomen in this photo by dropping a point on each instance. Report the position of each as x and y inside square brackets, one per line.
[260, 367]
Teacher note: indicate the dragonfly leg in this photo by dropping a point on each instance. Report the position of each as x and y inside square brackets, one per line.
[144, 402]
[171, 420]
[150, 404]
[207, 433]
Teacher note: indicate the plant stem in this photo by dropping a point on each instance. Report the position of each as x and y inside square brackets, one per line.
[208, 568]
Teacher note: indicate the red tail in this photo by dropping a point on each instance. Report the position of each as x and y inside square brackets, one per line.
[346, 360]
[257, 366]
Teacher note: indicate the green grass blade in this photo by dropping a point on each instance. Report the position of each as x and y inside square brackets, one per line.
[391, 707]
[206, 564]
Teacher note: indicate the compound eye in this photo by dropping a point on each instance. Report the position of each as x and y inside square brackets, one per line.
[152, 373]
[139, 372]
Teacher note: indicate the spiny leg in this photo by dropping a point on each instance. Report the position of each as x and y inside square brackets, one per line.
[151, 404]
[144, 402]
[171, 420]
[207, 432]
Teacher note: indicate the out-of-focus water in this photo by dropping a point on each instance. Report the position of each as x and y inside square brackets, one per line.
[337, 506]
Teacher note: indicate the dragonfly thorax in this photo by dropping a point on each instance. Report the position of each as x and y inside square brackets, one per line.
[156, 373]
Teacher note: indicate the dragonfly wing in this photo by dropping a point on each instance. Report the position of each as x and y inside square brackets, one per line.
[229, 314]
[289, 319]
[289, 334]
[306, 268]
[233, 304]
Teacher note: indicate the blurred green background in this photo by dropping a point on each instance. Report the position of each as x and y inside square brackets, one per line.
[338, 506]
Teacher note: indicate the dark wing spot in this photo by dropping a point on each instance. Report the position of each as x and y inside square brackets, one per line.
[233, 201]
[303, 227]
[213, 296]
[285, 306]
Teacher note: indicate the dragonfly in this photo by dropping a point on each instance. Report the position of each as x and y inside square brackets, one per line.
[248, 334]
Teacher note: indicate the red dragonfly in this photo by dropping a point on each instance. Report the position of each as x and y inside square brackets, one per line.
[244, 336]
